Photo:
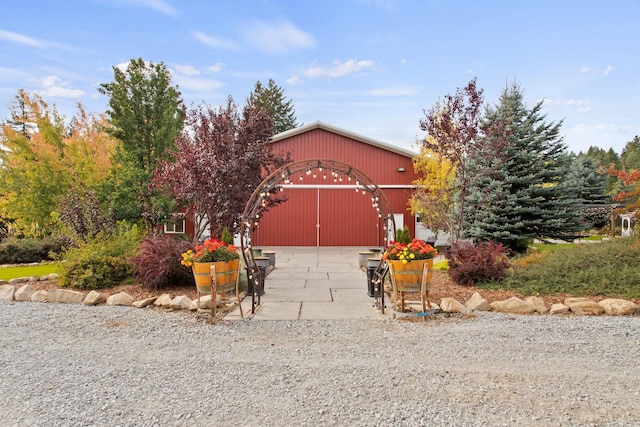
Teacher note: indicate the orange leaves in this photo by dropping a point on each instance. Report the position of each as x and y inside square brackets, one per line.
[632, 181]
[626, 177]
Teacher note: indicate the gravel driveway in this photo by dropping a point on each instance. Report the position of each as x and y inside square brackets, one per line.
[69, 365]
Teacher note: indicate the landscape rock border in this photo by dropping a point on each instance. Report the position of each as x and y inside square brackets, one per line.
[22, 290]
[9, 292]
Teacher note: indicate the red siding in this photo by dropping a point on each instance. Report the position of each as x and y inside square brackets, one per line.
[345, 218]
[377, 163]
[292, 223]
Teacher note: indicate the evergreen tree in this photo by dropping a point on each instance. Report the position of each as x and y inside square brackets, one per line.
[147, 114]
[630, 157]
[585, 182]
[606, 160]
[515, 173]
[272, 101]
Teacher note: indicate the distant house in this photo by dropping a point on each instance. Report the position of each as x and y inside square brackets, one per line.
[319, 212]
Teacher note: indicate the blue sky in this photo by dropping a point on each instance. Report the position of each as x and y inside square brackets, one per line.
[368, 66]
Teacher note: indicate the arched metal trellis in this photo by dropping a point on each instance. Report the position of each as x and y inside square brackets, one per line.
[287, 177]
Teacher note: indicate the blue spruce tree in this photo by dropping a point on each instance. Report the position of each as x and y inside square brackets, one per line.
[516, 169]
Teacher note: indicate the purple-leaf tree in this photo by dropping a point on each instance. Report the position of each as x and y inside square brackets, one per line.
[221, 158]
[452, 126]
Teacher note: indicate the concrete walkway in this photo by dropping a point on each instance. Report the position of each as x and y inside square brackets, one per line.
[310, 283]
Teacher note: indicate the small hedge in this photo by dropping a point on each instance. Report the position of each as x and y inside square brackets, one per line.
[96, 272]
[24, 251]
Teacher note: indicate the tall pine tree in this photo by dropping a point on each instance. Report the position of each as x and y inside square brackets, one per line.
[584, 180]
[272, 101]
[515, 173]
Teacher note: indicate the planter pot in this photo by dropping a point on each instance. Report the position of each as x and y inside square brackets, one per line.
[372, 262]
[362, 258]
[414, 276]
[226, 275]
[408, 277]
[272, 257]
[262, 261]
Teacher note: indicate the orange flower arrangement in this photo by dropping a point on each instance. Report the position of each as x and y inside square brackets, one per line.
[211, 250]
[406, 252]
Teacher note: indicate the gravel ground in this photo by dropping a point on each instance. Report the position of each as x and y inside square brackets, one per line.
[69, 365]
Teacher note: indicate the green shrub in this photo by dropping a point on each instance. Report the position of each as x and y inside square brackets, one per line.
[102, 261]
[96, 272]
[610, 268]
[471, 263]
[27, 250]
[158, 263]
[226, 236]
[403, 236]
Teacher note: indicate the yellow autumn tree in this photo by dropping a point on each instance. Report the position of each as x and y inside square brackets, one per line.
[434, 198]
[43, 160]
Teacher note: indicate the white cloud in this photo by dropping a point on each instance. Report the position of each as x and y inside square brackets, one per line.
[608, 70]
[214, 42]
[49, 81]
[278, 38]
[200, 85]
[338, 69]
[583, 106]
[123, 66]
[19, 39]
[550, 102]
[582, 136]
[54, 87]
[187, 70]
[294, 81]
[215, 68]
[157, 5]
[61, 92]
[584, 69]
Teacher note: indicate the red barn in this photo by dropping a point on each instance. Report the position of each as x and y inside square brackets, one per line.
[321, 213]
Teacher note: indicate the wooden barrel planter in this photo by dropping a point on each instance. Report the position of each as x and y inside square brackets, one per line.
[408, 276]
[411, 277]
[226, 275]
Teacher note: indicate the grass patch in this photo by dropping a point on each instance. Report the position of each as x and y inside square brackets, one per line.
[553, 247]
[610, 268]
[7, 273]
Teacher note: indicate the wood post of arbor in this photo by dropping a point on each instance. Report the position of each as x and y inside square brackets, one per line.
[214, 296]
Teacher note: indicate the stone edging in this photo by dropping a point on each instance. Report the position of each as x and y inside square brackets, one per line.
[12, 290]
[9, 292]
[533, 305]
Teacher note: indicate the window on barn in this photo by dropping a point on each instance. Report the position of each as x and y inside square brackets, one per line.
[175, 227]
